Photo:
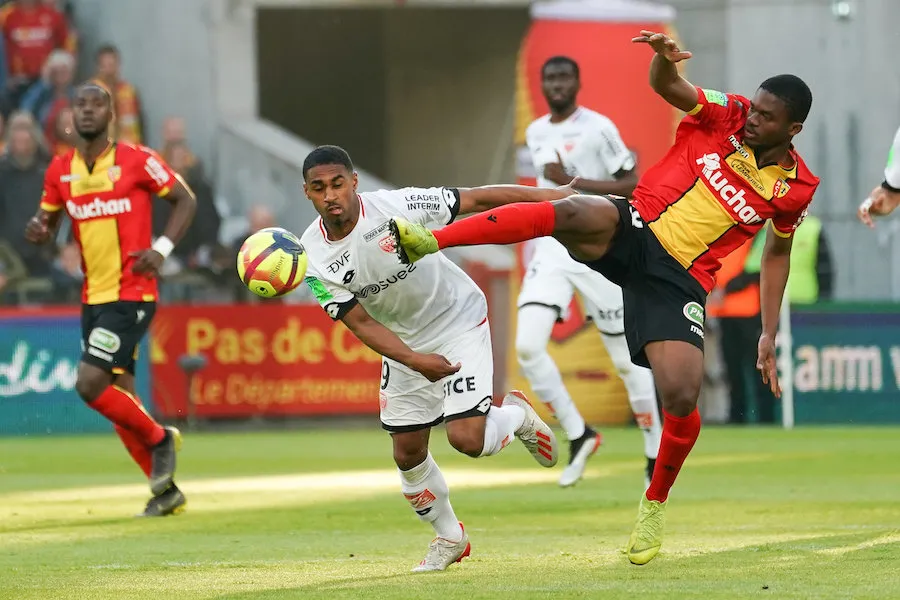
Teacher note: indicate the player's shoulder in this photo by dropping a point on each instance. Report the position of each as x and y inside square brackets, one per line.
[60, 163]
[592, 117]
[313, 236]
[538, 126]
[138, 153]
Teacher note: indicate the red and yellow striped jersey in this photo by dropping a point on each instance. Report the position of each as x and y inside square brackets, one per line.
[707, 196]
[111, 210]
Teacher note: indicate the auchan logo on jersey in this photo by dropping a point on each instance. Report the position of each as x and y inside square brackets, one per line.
[98, 208]
[732, 196]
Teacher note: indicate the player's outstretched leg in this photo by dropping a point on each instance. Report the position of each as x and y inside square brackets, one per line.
[585, 225]
[95, 386]
[678, 370]
[425, 488]
[641, 395]
[535, 323]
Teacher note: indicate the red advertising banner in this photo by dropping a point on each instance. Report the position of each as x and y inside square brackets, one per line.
[263, 359]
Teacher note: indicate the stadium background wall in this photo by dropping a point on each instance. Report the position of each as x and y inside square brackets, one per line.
[291, 361]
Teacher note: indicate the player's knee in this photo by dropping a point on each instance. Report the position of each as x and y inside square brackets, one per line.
[90, 384]
[679, 398]
[528, 350]
[408, 456]
[468, 440]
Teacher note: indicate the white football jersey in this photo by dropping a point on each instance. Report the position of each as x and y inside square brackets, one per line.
[892, 169]
[588, 145]
[426, 303]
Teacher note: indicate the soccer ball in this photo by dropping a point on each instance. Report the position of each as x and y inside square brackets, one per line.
[272, 262]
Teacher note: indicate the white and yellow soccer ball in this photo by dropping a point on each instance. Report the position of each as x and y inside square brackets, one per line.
[272, 262]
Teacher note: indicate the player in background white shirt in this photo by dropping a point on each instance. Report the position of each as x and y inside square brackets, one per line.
[429, 323]
[575, 141]
[886, 197]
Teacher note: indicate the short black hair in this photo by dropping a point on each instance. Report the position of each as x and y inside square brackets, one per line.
[95, 85]
[107, 49]
[794, 92]
[327, 155]
[561, 60]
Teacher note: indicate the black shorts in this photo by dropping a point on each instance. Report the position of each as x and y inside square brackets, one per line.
[111, 333]
[662, 300]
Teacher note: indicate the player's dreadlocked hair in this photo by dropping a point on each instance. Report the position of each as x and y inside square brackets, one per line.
[561, 60]
[327, 155]
[793, 91]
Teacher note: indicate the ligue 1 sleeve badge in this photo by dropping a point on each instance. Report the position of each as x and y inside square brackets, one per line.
[114, 173]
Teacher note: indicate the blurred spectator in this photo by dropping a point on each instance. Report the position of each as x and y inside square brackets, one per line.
[128, 124]
[174, 131]
[21, 183]
[62, 137]
[66, 274]
[31, 31]
[2, 135]
[812, 274]
[197, 247]
[47, 97]
[734, 302]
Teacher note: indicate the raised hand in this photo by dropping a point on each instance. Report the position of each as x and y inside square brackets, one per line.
[662, 45]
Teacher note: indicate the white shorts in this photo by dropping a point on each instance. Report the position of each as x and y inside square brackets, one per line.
[410, 402]
[553, 277]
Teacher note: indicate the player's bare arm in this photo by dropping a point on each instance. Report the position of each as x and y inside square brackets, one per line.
[664, 77]
[385, 342]
[184, 206]
[42, 226]
[480, 199]
[624, 183]
[774, 270]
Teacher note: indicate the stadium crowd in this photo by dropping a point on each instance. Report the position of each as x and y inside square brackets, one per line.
[38, 70]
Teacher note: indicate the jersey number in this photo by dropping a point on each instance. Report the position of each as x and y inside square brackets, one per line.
[156, 171]
[385, 375]
[348, 276]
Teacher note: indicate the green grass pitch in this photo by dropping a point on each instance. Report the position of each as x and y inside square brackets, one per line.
[756, 513]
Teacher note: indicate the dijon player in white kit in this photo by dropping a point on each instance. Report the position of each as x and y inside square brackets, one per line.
[575, 141]
[429, 323]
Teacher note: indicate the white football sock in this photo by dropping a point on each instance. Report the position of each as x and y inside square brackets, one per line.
[641, 392]
[426, 491]
[533, 329]
[500, 427]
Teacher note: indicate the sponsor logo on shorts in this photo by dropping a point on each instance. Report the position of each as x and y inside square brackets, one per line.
[104, 339]
[694, 313]
[460, 385]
